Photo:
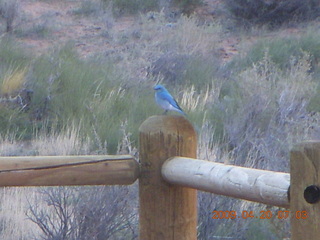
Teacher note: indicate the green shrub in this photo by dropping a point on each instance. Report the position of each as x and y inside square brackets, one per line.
[88, 94]
[201, 72]
[65, 88]
[8, 11]
[185, 70]
[36, 31]
[12, 55]
[272, 12]
[87, 8]
[13, 68]
[314, 104]
[122, 7]
[15, 124]
[187, 6]
[282, 50]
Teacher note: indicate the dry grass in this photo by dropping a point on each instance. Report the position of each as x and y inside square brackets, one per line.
[14, 203]
[192, 101]
[272, 107]
[13, 81]
[193, 38]
[186, 36]
[68, 142]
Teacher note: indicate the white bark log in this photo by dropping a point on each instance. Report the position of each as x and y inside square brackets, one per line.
[246, 183]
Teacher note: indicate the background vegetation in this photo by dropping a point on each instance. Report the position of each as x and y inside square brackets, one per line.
[249, 106]
[272, 13]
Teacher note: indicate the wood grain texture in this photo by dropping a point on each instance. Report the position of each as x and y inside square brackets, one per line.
[166, 211]
[305, 171]
[68, 170]
[245, 183]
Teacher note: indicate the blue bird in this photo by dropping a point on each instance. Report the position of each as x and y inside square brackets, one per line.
[165, 100]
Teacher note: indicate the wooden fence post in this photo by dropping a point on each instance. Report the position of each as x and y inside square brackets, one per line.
[166, 211]
[305, 191]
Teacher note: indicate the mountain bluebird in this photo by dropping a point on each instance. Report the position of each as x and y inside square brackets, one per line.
[165, 100]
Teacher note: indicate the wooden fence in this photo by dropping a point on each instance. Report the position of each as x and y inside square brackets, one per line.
[169, 177]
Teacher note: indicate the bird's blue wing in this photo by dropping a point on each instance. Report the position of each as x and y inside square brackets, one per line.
[174, 103]
[167, 97]
[164, 99]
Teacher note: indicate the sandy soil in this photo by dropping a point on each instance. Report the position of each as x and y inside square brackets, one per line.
[63, 26]
[90, 34]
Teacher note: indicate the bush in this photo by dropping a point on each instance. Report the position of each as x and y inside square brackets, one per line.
[282, 50]
[272, 12]
[13, 71]
[89, 94]
[15, 123]
[68, 91]
[85, 213]
[88, 8]
[122, 7]
[12, 55]
[187, 6]
[268, 112]
[8, 11]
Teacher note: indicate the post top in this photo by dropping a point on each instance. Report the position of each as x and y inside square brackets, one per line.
[167, 123]
[307, 147]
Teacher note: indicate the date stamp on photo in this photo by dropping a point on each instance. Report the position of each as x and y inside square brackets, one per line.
[259, 215]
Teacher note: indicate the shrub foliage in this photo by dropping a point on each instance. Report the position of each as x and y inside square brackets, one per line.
[272, 12]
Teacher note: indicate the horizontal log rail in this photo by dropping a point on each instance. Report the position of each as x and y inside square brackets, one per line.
[68, 170]
[239, 182]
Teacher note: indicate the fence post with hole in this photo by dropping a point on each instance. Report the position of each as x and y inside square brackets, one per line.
[305, 191]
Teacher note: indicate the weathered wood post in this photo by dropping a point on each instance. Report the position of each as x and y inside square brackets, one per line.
[305, 191]
[166, 211]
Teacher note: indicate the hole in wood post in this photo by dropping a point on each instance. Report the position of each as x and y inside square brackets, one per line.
[312, 194]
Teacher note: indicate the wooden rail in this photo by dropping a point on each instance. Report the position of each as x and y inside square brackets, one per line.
[256, 185]
[67, 170]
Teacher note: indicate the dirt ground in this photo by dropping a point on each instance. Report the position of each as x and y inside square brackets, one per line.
[87, 32]
[84, 31]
